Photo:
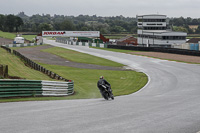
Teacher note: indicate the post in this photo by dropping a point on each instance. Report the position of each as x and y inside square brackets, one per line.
[1, 72]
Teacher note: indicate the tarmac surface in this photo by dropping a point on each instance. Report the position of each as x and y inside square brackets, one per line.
[47, 58]
[4, 41]
[169, 103]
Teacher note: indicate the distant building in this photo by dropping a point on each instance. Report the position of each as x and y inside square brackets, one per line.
[193, 27]
[194, 44]
[194, 40]
[128, 40]
[153, 31]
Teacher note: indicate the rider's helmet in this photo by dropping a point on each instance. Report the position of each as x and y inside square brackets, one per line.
[101, 77]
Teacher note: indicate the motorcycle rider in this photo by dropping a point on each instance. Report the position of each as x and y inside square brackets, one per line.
[102, 85]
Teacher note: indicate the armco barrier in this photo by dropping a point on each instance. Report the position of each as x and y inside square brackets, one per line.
[158, 49]
[22, 88]
[22, 45]
[70, 42]
[54, 88]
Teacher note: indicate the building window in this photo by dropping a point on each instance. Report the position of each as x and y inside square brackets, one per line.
[173, 37]
[152, 20]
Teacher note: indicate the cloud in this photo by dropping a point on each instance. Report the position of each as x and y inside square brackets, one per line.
[171, 8]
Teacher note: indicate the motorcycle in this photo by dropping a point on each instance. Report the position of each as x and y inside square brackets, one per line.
[107, 93]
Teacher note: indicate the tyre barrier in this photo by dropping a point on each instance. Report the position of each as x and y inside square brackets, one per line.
[33, 88]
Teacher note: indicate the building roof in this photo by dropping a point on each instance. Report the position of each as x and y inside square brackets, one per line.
[193, 40]
[152, 15]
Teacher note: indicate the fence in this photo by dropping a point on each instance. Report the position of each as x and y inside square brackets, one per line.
[70, 42]
[158, 49]
[22, 88]
[6, 48]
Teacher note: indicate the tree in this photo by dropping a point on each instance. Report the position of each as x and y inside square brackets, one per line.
[117, 29]
[179, 28]
[198, 30]
[10, 22]
[45, 26]
[67, 25]
[2, 22]
[18, 22]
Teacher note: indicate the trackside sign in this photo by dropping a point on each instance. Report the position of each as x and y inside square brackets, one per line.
[72, 33]
[53, 33]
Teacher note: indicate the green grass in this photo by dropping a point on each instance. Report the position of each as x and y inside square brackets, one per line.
[13, 35]
[17, 68]
[122, 82]
[7, 35]
[29, 37]
[81, 57]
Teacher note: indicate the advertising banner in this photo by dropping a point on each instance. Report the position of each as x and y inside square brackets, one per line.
[72, 33]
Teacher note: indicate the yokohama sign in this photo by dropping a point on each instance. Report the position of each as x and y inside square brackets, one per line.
[72, 33]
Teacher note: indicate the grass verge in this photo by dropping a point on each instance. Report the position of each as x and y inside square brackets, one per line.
[135, 53]
[7, 35]
[29, 37]
[122, 82]
[17, 68]
[81, 57]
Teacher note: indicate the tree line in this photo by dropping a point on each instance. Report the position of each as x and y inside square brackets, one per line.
[10, 23]
[106, 25]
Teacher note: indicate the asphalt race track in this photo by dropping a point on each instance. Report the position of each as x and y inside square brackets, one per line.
[169, 103]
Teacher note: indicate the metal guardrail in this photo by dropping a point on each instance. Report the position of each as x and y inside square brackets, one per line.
[20, 88]
[70, 42]
[158, 49]
[23, 88]
[22, 45]
[54, 88]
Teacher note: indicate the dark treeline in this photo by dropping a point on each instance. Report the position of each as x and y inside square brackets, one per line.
[10, 23]
[106, 25]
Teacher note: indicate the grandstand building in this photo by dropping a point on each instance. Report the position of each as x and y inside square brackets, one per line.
[154, 31]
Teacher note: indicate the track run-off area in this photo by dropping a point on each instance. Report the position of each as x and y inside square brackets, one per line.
[169, 103]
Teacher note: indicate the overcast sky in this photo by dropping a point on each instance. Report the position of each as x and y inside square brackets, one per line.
[127, 8]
